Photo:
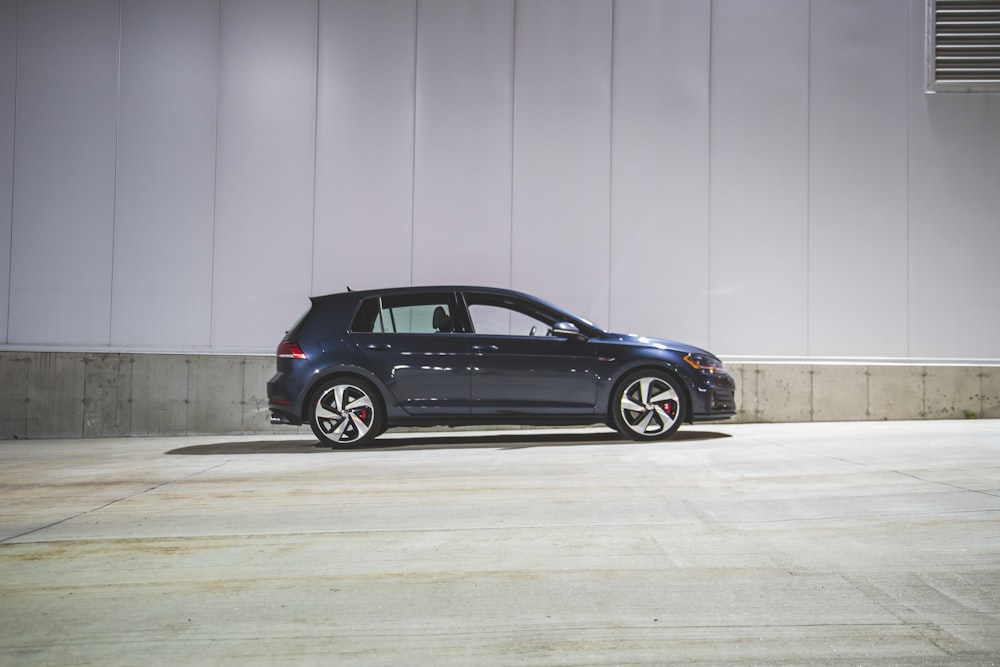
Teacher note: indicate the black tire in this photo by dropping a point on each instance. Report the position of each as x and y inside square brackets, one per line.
[648, 405]
[346, 412]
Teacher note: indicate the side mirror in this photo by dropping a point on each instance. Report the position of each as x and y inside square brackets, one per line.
[567, 330]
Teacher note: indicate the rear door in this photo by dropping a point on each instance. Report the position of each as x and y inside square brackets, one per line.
[409, 344]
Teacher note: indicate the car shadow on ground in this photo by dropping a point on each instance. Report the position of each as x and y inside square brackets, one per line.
[407, 441]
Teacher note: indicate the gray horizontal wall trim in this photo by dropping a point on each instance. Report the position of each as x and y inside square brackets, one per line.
[206, 352]
[862, 361]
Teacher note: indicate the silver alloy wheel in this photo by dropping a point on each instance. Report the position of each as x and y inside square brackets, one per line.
[649, 406]
[344, 414]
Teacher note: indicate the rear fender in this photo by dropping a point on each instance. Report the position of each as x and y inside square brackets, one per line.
[349, 370]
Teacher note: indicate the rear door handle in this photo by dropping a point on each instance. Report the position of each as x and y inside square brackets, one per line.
[485, 348]
[379, 346]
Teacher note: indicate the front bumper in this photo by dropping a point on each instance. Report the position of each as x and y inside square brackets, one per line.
[713, 397]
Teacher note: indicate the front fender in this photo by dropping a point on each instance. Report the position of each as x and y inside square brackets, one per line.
[607, 389]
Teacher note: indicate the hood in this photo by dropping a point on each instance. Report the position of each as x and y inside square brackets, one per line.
[661, 343]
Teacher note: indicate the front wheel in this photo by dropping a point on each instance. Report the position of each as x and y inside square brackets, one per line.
[346, 412]
[648, 405]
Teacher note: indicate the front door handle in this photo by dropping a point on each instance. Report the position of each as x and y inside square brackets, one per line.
[485, 348]
[379, 346]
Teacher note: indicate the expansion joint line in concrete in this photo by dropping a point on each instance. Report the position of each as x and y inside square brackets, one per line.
[991, 494]
[918, 477]
[932, 633]
[948, 484]
[112, 502]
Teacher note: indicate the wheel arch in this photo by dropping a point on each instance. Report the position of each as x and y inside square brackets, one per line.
[317, 382]
[669, 369]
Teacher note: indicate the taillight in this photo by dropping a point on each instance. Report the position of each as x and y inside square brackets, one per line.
[289, 349]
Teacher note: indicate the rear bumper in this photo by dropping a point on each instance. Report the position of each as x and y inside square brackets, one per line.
[280, 402]
[279, 418]
[712, 417]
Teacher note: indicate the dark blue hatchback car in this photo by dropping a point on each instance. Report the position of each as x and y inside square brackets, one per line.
[358, 363]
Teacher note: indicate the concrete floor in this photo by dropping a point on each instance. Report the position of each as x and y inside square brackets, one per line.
[816, 544]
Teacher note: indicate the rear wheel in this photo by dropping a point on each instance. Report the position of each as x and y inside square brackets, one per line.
[346, 412]
[648, 405]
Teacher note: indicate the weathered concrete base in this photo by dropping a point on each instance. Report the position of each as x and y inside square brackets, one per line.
[94, 395]
[830, 392]
[89, 395]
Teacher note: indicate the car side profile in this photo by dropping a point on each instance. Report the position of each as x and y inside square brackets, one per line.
[357, 363]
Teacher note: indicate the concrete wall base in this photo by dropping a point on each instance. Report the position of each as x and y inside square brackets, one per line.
[97, 395]
[851, 392]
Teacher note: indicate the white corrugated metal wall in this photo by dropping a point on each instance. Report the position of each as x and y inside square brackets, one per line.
[763, 177]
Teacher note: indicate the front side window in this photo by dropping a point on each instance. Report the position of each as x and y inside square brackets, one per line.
[408, 313]
[505, 316]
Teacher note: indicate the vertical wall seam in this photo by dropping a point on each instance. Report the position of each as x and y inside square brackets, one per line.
[513, 142]
[868, 392]
[122, 424]
[83, 401]
[413, 152]
[312, 247]
[131, 396]
[109, 425]
[187, 395]
[909, 183]
[756, 393]
[923, 393]
[708, 222]
[809, 106]
[611, 160]
[32, 358]
[215, 171]
[243, 395]
[114, 187]
[812, 393]
[13, 167]
[982, 391]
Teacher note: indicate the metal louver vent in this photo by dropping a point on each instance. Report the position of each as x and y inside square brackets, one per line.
[963, 45]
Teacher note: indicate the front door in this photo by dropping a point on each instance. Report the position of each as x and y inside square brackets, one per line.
[518, 367]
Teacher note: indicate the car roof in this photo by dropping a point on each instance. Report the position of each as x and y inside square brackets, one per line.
[416, 289]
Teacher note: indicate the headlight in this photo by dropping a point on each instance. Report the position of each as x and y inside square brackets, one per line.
[704, 362]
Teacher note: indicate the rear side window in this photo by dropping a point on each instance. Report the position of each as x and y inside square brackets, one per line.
[409, 313]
